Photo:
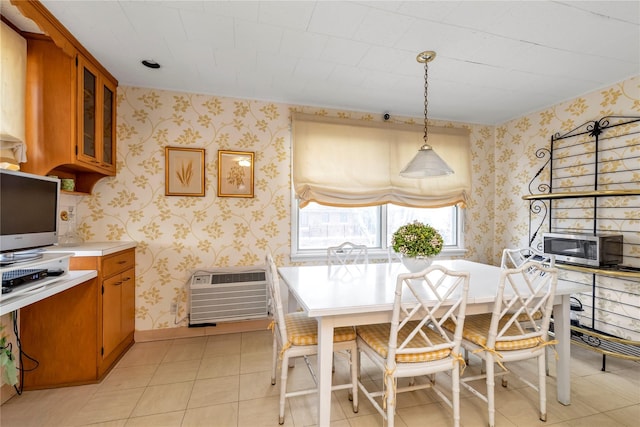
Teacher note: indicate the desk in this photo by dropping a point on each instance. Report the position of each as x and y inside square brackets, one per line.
[46, 287]
[359, 294]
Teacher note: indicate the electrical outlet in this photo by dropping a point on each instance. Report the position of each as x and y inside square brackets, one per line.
[174, 307]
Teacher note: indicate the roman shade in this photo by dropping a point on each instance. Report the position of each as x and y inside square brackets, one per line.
[351, 163]
[13, 77]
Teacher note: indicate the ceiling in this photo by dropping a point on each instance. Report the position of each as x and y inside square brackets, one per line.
[496, 60]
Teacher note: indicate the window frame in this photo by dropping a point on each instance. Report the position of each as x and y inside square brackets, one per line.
[375, 254]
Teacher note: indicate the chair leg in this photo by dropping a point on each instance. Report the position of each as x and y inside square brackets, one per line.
[391, 400]
[546, 363]
[283, 386]
[542, 386]
[274, 366]
[490, 367]
[455, 390]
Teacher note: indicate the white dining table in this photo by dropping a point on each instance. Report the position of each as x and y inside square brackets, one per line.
[363, 294]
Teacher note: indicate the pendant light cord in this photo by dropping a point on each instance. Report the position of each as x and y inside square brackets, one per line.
[426, 102]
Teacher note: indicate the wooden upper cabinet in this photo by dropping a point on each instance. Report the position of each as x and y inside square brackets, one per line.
[70, 105]
[71, 116]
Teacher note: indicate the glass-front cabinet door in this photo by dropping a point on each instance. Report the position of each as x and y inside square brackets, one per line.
[96, 118]
[88, 114]
[108, 122]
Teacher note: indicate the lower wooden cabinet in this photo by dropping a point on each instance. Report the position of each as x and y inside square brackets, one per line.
[60, 333]
[78, 335]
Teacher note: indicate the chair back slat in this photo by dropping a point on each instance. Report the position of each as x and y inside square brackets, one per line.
[347, 253]
[514, 258]
[423, 302]
[522, 293]
[275, 300]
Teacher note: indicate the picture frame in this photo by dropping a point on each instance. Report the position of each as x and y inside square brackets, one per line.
[184, 171]
[235, 173]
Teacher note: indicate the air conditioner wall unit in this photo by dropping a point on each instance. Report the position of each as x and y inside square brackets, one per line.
[227, 295]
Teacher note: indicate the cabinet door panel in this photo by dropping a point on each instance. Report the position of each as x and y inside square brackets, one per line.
[89, 87]
[111, 314]
[128, 302]
[108, 125]
[60, 332]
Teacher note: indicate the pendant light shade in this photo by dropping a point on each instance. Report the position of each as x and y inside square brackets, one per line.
[426, 162]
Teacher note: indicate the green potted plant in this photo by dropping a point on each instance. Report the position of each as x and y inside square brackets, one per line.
[7, 362]
[417, 243]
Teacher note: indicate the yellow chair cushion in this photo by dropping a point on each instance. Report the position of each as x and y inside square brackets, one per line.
[303, 330]
[377, 337]
[476, 330]
[537, 315]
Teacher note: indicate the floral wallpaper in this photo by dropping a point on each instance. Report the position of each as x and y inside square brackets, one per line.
[177, 234]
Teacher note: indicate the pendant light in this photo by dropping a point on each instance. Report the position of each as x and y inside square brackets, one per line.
[426, 162]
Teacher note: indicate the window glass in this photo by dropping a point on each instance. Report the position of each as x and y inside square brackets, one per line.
[322, 226]
[442, 219]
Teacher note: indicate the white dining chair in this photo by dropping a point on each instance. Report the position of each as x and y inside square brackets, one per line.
[512, 331]
[296, 335]
[347, 253]
[514, 258]
[415, 344]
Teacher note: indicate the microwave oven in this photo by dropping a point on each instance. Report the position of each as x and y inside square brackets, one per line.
[590, 250]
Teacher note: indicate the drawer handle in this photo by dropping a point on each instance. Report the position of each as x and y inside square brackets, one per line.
[126, 279]
[122, 262]
[118, 283]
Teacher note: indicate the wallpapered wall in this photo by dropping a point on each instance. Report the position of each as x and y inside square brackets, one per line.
[178, 234]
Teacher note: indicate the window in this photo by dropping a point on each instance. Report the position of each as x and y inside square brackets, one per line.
[315, 227]
[346, 177]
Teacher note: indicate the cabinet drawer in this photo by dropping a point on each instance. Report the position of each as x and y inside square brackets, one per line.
[118, 262]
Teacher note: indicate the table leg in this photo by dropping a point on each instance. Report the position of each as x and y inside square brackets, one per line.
[562, 330]
[325, 361]
[292, 304]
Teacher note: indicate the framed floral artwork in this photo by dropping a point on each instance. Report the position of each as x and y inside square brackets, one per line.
[184, 171]
[235, 173]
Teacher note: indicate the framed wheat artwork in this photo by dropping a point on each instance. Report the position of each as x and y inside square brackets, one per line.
[184, 171]
[235, 173]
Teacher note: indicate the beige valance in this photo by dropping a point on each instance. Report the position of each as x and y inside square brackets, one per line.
[343, 162]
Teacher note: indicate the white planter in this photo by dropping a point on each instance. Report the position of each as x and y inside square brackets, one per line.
[416, 264]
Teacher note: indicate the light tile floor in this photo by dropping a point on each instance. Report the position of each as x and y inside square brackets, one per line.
[225, 381]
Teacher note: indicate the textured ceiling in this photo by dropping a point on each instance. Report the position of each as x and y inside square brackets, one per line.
[496, 60]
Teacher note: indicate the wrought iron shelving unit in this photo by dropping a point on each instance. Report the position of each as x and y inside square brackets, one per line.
[594, 169]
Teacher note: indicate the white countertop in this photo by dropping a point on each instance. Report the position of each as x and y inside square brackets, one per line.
[93, 248]
[50, 287]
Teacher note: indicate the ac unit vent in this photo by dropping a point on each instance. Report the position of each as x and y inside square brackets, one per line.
[237, 277]
[225, 297]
